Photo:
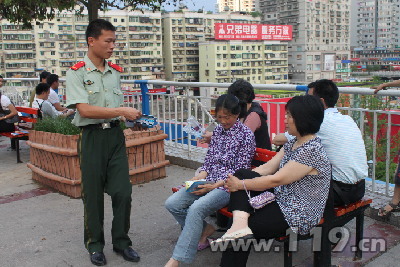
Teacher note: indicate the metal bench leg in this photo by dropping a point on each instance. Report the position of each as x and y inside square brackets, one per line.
[323, 258]
[17, 148]
[359, 235]
[287, 254]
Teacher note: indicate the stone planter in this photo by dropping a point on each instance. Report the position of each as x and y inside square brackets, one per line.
[55, 163]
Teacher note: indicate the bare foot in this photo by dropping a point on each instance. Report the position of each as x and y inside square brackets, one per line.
[172, 263]
[209, 230]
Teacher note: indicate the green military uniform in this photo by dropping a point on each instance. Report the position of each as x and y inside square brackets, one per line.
[102, 153]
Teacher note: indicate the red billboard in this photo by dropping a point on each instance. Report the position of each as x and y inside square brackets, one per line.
[238, 31]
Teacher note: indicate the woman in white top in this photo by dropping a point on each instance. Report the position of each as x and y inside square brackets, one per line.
[7, 111]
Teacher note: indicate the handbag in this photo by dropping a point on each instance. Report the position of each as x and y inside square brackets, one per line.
[9, 120]
[260, 200]
[7, 112]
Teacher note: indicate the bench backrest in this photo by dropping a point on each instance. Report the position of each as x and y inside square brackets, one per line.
[264, 155]
[29, 115]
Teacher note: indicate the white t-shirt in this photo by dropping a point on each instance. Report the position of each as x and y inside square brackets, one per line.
[5, 102]
[47, 109]
[344, 145]
[53, 97]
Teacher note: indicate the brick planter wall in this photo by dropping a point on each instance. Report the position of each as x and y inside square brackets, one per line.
[55, 163]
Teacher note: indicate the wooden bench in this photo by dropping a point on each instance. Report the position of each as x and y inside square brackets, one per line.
[337, 217]
[27, 120]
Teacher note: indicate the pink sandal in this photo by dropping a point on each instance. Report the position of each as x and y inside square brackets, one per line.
[203, 246]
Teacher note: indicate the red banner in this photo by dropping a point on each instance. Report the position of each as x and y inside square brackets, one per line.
[238, 31]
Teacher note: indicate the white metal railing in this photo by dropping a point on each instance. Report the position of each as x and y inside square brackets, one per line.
[172, 110]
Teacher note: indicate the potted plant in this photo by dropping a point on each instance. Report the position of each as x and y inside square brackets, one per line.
[54, 157]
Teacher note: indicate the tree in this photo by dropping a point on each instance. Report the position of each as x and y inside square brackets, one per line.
[26, 11]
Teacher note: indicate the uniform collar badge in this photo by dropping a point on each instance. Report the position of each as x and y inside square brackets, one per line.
[89, 82]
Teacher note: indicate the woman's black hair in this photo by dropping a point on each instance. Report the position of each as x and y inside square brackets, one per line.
[307, 112]
[228, 102]
[243, 90]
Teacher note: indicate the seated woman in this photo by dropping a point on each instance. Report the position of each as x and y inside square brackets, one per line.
[252, 115]
[232, 147]
[7, 110]
[299, 176]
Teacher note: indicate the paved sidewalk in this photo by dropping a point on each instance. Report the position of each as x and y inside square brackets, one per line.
[40, 227]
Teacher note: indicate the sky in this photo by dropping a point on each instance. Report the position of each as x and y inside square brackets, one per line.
[208, 5]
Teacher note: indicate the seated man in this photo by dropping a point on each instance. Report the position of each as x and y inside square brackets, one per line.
[53, 82]
[41, 102]
[343, 143]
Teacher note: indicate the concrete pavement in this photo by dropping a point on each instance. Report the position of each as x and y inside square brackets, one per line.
[40, 227]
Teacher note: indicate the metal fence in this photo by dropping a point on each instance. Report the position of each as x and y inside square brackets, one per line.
[379, 123]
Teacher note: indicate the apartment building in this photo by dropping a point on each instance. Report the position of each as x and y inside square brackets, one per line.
[376, 24]
[262, 62]
[320, 48]
[58, 44]
[182, 32]
[237, 5]
[375, 35]
[17, 56]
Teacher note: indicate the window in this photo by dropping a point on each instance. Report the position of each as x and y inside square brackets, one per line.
[115, 20]
[53, 53]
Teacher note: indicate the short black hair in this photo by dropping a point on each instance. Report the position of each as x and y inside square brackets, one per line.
[51, 79]
[307, 112]
[327, 90]
[243, 90]
[1, 77]
[96, 26]
[41, 88]
[228, 102]
[44, 75]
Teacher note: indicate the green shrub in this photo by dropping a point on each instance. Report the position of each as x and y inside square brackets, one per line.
[58, 124]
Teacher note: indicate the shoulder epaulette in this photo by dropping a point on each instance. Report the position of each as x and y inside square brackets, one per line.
[78, 65]
[115, 66]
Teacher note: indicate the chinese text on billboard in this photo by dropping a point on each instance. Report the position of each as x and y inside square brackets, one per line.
[238, 31]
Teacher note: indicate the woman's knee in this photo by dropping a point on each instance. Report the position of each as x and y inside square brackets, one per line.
[170, 203]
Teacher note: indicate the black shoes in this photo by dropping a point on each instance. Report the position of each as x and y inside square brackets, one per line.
[98, 258]
[129, 254]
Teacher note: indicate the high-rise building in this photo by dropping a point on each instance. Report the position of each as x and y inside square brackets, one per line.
[182, 32]
[259, 62]
[321, 44]
[237, 5]
[376, 24]
[17, 51]
[58, 44]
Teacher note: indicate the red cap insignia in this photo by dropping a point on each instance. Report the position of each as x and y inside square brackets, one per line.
[78, 65]
[115, 66]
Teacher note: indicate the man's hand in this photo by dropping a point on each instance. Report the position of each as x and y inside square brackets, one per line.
[204, 189]
[233, 183]
[130, 113]
[378, 88]
[206, 138]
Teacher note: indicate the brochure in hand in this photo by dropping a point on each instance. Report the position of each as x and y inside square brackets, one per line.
[194, 185]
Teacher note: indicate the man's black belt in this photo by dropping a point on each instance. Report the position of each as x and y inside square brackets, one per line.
[104, 125]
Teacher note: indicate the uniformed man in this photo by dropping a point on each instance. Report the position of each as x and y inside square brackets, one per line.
[93, 87]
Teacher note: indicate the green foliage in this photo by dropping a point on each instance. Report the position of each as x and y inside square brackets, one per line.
[256, 14]
[58, 124]
[26, 11]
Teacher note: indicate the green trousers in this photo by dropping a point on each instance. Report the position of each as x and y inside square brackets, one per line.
[104, 167]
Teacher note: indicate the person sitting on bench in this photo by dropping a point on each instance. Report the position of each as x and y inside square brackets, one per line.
[344, 145]
[299, 175]
[232, 148]
[47, 109]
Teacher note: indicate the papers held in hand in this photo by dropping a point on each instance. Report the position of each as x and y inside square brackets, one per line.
[194, 185]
